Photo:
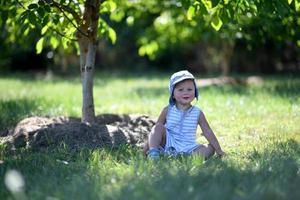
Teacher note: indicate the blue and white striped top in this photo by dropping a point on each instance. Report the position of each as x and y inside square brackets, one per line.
[181, 127]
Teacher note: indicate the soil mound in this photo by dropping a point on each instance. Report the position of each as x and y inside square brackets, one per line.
[110, 130]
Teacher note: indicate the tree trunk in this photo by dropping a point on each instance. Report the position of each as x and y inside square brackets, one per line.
[87, 72]
[227, 49]
[87, 38]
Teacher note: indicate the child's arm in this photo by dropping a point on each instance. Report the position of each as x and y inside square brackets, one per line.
[162, 117]
[157, 135]
[209, 134]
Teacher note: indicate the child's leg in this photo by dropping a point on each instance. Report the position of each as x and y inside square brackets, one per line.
[156, 137]
[206, 150]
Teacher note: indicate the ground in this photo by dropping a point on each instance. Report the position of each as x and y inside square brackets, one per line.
[110, 130]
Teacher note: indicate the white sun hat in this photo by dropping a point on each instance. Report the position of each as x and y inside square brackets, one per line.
[178, 77]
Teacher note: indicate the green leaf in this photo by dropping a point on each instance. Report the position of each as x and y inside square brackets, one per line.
[32, 18]
[216, 22]
[39, 46]
[55, 19]
[290, 1]
[253, 9]
[54, 42]
[149, 49]
[32, 6]
[191, 13]
[130, 20]
[65, 43]
[41, 11]
[47, 8]
[142, 51]
[23, 16]
[41, 3]
[108, 6]
[45, 20]
[24, 28]
[117, 16]
[26, 32]
[297, 5]
[207, 4]
[44, 30]
[70, 31]
[112, 35]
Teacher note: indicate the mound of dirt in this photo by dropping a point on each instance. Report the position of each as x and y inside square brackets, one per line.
[110, 130]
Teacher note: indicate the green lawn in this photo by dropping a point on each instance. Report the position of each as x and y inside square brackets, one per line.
[258, 126]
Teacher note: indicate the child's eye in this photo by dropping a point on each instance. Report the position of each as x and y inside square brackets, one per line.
[189, 89]
[180, 89]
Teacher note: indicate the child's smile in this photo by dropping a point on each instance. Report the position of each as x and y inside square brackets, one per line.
[184, 93]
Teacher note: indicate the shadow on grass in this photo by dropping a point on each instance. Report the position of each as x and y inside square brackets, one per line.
[50, 174]
[273, 174]
[106, 174]
[12, 111]
[284, 87]
[35, 76]
[100, 77]
[61, 172]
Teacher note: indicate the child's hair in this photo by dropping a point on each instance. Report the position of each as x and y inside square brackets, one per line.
[178, 77]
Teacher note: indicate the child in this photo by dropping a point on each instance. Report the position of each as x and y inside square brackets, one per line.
[175, 130]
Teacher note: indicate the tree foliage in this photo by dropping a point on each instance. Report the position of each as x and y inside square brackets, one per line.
[63, 22]
[161, 23]
[55, 22]
[173, 22]
[157, 25]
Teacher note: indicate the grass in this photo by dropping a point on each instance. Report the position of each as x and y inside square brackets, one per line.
[257, 125]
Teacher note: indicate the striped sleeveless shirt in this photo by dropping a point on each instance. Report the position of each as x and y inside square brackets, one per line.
[181, 127]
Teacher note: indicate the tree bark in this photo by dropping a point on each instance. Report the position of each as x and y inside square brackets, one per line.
[87, 72]
[227, 49]
[87, 38]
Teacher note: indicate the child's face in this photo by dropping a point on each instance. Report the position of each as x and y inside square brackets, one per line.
[184, 92]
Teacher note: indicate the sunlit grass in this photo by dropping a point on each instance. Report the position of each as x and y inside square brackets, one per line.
[257, 125]
[58, 96]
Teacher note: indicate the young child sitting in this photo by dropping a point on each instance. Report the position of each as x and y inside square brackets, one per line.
[175, 130]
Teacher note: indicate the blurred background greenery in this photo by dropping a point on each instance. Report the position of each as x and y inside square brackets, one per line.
[216, 37]
[257, 122]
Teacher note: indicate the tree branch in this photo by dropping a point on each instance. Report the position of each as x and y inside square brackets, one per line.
[61, 34]
[21, 5]
[63, 8]
[67, 9]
